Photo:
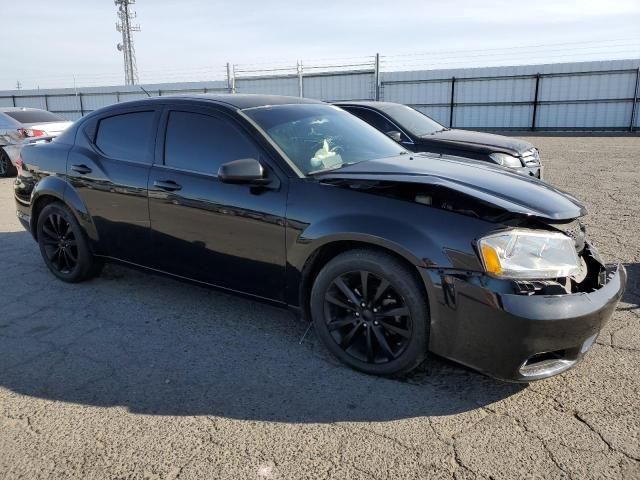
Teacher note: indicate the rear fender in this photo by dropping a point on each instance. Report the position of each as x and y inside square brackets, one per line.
[58, 188]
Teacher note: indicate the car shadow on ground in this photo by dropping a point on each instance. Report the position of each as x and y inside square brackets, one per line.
[157, 346]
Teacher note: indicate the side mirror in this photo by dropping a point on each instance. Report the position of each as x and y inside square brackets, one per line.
[245, 170]
[394, 135]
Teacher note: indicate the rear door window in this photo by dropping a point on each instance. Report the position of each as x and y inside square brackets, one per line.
[126, 136]
[200, 142]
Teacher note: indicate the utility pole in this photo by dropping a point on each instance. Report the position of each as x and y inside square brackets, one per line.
[300, 79]
[126, 27]
[18, 85]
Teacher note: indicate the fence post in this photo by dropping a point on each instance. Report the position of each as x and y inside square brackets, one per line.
[376, 76]
[300, 79]
[634, 107]
[159, 92]
[452, 104]
[535, 103]
[46, 102]
[229, 81]
[13, 100]
[117, 97]
[81, 105]
[231, 78]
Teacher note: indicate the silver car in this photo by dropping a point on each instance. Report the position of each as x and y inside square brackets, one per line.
[19, 125]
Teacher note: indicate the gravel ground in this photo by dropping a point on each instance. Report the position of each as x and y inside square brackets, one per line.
[137, 376]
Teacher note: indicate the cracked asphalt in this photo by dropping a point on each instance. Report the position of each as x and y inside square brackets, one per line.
[134, 376]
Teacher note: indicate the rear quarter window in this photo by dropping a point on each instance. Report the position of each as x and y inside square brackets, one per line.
[126, 136]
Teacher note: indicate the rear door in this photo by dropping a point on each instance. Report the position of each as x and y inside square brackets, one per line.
[228, 235]
[109, 168]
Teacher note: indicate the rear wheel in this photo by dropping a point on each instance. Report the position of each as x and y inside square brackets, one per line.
[63, 245]
[6, 167]
[369, 310]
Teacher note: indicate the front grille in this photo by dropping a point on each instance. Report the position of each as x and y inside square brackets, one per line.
[531, 158]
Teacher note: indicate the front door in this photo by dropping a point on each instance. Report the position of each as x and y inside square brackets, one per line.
[227, 235]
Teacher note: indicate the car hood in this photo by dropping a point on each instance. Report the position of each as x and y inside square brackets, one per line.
[491, 184]
[479, 141]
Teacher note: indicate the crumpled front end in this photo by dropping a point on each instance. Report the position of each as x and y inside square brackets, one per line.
[521, 330]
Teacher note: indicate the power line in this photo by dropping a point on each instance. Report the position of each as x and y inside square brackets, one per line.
[513, 59]
[124, 25]
[522, 47]
[516, 55]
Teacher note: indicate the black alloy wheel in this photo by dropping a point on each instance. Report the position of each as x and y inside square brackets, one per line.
[63, 245]
[370, 311]
[367, 317]
[60, 243]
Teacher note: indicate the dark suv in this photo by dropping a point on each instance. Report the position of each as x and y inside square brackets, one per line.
[296, 202]
[419, 133]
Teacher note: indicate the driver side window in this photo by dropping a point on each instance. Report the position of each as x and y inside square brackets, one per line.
[201, 143]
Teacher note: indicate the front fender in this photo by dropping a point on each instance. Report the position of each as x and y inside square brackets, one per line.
[383, 232]
[320, 214]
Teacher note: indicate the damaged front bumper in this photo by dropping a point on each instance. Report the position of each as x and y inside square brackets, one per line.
[517, 336]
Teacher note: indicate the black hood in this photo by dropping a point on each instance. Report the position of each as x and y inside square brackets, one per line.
[478, 141]
[492, 184]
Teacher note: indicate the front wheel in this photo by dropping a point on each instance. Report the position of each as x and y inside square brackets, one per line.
[63, 245]
[370, 311]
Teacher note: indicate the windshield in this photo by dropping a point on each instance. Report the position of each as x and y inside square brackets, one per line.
[320, 137]
[416, 123]
[34, 116]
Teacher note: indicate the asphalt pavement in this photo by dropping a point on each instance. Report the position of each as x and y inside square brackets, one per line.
[137, 376]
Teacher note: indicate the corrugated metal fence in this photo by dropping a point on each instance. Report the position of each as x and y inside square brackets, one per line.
[569, 96]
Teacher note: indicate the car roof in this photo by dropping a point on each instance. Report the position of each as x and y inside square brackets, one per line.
[237, 100]
[383, 106]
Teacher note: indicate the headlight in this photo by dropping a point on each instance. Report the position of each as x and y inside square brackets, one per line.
[529, 254]
[506, 160]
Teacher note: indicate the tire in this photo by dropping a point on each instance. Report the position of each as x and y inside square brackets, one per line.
[389, 335]
[64, 246]
[6, 167]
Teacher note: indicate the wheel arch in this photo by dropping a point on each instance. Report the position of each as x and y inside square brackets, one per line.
[331, 249]
[51, 189]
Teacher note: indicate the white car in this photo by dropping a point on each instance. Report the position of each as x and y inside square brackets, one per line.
[19, 125]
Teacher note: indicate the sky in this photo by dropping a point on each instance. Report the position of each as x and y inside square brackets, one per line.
[55, 44]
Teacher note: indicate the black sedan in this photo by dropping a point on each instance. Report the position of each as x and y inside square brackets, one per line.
[391, 254]
[419, 133]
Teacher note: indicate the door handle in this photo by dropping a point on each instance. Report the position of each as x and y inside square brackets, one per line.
[168, 185]
[81, 169]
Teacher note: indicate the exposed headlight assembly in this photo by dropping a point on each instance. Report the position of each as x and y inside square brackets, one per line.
[506, 160]
[529, 254]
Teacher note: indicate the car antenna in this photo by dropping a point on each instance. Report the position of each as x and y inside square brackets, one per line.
[142, 88]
